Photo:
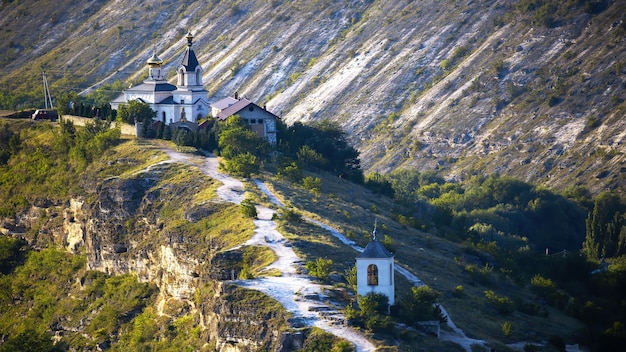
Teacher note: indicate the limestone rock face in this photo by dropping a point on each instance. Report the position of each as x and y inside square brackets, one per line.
[118, 227]
[122, 234]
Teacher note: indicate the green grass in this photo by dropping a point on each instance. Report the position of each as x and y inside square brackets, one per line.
[433, 259]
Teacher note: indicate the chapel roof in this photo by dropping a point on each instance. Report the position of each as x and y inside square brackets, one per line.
[375, 249]
[190, 61]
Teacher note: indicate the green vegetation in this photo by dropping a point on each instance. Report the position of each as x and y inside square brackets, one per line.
[371, 313]
[421, 304]
[44, 163]
[248, 208]
[241, 148]
[501, 227]
[318, 340]
[484, 215]
[320, 146]
[320, 268]
[36, 298]
[135, 111]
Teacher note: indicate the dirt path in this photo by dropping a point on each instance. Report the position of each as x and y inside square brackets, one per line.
[296, 292]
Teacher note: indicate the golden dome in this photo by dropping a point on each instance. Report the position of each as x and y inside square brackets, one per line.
[155, 60]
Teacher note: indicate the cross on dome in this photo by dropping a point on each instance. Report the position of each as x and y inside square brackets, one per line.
[189, 37]
[374, 232]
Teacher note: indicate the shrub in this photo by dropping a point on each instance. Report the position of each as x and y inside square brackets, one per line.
[291, 172]
[248, 208]
[421, 305]
[503, 305]
[289, 215]
[371, 316]
[458, 291]
[506, 329]
[243, 165]
[553, 100]
[320, 268]
[313, 184]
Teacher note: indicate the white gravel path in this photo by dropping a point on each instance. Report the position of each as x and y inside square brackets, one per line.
[295, 291]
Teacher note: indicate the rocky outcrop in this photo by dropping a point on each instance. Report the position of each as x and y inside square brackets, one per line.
[120, 228]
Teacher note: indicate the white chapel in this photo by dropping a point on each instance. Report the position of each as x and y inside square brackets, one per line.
[375, 270]
[185, 101]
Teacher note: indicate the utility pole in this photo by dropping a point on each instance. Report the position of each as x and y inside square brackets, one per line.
[46, 91]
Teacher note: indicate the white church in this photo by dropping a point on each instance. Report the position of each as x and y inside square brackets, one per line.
[184, 102]
[375, 270]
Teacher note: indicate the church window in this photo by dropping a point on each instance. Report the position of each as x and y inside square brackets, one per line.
[163, 117]
[198, 77]
[252, 121]
[251, 108]
[372, 275]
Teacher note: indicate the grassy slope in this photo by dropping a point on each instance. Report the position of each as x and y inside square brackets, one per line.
[434, 260]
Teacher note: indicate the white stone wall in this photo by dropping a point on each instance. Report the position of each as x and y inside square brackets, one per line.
[386, 284]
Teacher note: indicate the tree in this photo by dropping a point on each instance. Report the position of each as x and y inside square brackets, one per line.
[243, 165]
[313, 184]
[291, 172]
[606, 228]
[326, 148]
[248, 208]
[378, 183]
[66, 103]
[311, 159]
[135, 110]
[320, 268]
[236, 138]
[184, 137]
[421, 305]
[371, 314]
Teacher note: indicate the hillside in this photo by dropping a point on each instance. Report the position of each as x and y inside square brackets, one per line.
[135, 248]
[532, 89]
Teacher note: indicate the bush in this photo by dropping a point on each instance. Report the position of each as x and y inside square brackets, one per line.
[371, 316]
[243, 165]
[289, 215]
[313, 184]
[506, 328]
[458, 291]
[421, 305]
[248, 208]
[320, 268]
[503, 305]
[291, 172]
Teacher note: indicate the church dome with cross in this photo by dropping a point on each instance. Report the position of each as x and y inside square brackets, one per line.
[375, 270]
[184, 102]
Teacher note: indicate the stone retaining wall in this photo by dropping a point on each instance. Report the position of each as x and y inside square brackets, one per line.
[127, 129]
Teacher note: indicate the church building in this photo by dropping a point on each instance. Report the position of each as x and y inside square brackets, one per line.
[375, 270]
[184, 102]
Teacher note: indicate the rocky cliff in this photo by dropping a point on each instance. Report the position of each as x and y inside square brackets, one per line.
[150, 224]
